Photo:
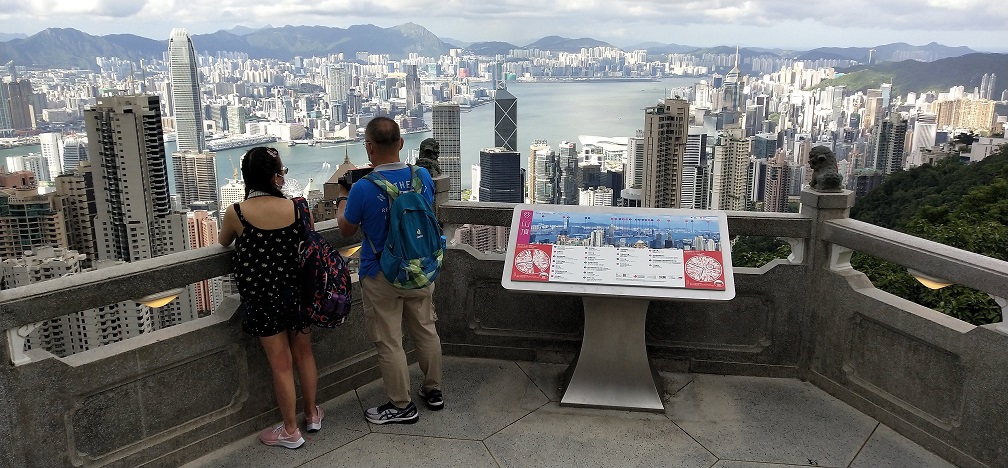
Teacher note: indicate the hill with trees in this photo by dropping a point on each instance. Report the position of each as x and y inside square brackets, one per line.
[913, 76]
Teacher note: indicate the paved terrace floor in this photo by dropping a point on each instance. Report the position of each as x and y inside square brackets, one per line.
[505, 414]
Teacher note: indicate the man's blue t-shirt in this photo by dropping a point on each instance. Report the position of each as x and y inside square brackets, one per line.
[367, 205]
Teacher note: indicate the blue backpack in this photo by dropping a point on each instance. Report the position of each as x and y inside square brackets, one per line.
[325, 278]
[414, 248]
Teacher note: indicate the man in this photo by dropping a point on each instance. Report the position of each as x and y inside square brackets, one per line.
[386, 307]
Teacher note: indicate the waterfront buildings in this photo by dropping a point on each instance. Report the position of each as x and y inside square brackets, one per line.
[195, 177]
[52, 151]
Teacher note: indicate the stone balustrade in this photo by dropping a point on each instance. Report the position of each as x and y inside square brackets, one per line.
[169, 396]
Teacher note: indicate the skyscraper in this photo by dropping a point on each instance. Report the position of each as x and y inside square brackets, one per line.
[500, 176]
[778, 181]
[29, 220]
[694, 175]
[79, 212]
[445, 123]
[633, 173]
[733, 86]
[185, 92]
[203, 233]
[542, 183]
[505, 119]
[664, 146]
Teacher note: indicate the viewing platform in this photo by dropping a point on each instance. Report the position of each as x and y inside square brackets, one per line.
[809, 365]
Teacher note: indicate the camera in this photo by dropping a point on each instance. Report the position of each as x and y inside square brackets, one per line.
[353, 175]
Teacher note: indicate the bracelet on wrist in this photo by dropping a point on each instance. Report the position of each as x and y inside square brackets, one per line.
[339, 199]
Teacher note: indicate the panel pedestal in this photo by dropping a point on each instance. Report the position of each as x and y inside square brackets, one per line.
[613, 370]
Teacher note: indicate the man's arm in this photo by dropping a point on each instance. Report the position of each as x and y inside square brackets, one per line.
[346, 227]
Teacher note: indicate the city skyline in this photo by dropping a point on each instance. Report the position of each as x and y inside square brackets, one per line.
[759, 23]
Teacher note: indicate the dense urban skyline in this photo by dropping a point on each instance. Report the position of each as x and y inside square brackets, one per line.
[977, 24]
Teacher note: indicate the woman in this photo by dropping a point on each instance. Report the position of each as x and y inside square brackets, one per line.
[267, 230]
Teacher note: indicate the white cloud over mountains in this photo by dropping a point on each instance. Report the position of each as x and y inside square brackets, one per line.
[954, 22]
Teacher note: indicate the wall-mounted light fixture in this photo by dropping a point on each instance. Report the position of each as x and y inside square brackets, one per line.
[160, 299]
[929, 281]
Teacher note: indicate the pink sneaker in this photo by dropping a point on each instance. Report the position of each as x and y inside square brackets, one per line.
[279, 436]
[315, 424]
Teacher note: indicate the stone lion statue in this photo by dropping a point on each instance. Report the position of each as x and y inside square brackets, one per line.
[825, 174]
[430, 149]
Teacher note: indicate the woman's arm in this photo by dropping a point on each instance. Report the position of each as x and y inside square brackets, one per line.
[229, 229]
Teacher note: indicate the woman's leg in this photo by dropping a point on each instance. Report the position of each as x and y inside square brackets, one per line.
[278, 352]
[304, 359]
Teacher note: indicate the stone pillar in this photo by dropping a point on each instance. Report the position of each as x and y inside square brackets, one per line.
[821, 207]
[441, 187]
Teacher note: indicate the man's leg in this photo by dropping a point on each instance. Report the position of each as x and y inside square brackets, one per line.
[420, 321]
[383, 320]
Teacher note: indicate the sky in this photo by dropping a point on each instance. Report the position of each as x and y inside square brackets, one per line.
[797, 25]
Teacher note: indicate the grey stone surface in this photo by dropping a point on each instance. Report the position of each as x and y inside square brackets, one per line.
[342, 425]
[390, 450]
[745, 464]
[481, 397]
[769, 420]
[556, 436]
[889, 449]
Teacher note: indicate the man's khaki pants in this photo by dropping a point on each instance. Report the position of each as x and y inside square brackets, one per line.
[386, 309]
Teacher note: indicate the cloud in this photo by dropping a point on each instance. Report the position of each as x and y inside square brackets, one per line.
[509, 20]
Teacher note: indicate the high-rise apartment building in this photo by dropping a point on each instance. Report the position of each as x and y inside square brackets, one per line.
[633, 173]
[29, 220]
[542, 173]
[664, 146]
[208, 293]
[79, 211]
[19, 102]
[446, 130]
[733, 87]
[778, 183]
[74, 152]
[888, 138]
[232, 192]
[33, 162]
[195, 177]
[5, 115]
[500, 176]
[567, 167]
[133, 216]
[52, 151]
[505, 119]
[694, 171]
[730, 184]
[185, 92]
[974, 114]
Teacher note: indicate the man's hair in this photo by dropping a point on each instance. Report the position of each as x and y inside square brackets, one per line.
[382, 131]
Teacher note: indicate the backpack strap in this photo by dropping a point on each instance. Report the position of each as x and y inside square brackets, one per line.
[391, 192]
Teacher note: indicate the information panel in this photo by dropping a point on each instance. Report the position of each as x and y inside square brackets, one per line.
[620, 251]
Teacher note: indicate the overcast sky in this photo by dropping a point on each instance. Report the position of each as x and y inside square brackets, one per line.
[805, 24]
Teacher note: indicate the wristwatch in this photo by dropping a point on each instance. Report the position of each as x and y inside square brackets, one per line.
[339, 199]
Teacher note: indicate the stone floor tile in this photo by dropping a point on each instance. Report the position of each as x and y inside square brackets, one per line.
[888, 448]
[386, 450]
[342, 424]
[482, 396]
[769, 420]
[555, 436]
[549, 379]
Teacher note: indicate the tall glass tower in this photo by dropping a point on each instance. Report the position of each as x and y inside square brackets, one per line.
[505, 119]
[500, 176]
[185, 92]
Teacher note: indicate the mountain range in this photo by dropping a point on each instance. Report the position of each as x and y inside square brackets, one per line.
[67, 48]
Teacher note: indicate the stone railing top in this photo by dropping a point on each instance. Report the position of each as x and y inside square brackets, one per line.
[932, 258]
[125, 282]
